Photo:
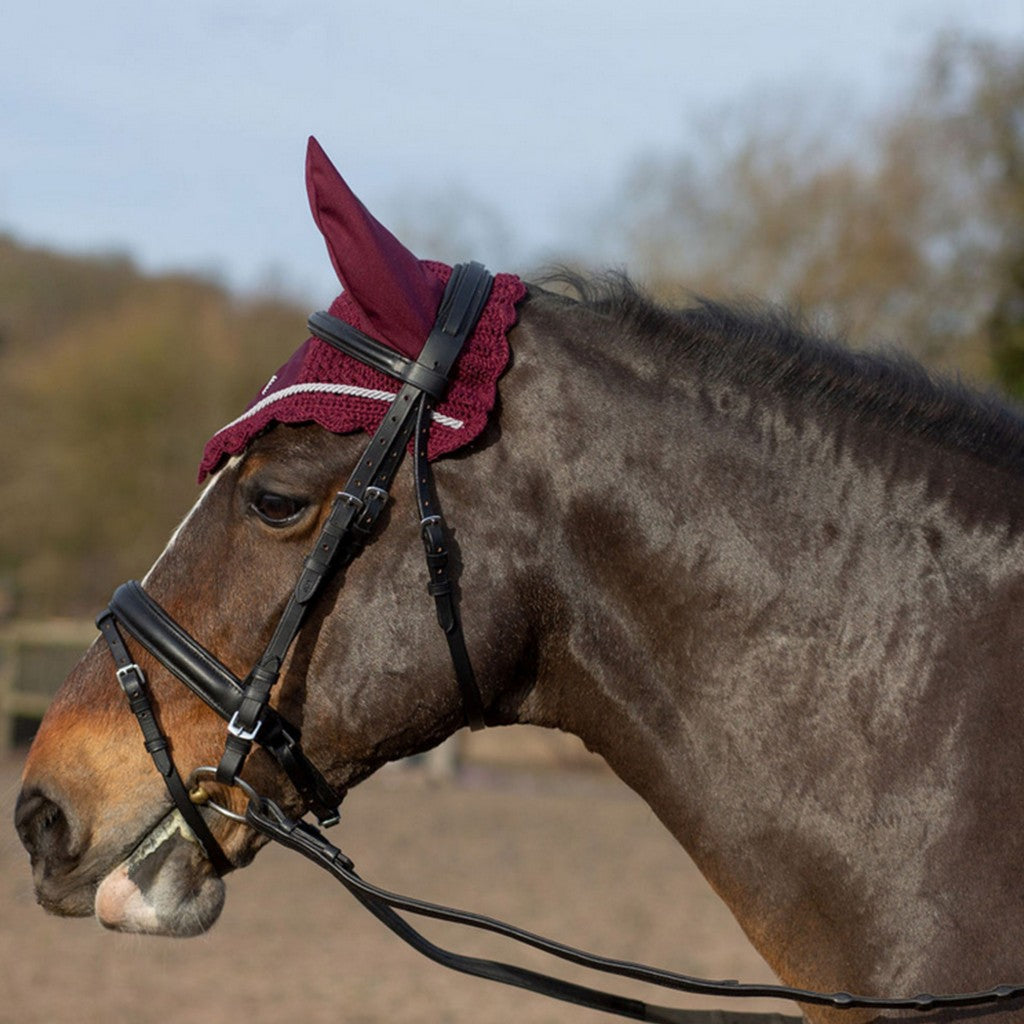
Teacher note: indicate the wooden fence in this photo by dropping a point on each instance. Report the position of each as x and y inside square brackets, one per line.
[35, 656]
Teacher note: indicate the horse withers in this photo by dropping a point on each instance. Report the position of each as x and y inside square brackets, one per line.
[778, 586]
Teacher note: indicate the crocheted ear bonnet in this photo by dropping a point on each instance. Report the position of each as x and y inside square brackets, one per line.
[391, 295]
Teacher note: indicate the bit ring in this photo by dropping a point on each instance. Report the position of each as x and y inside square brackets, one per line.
[220, 808]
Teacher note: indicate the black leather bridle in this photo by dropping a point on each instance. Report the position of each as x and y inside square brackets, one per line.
[244, 704]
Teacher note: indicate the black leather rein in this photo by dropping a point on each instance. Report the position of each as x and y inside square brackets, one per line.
[244, 704]
[266, 817]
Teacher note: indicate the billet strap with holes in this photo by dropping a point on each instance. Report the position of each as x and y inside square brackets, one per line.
[133, 682]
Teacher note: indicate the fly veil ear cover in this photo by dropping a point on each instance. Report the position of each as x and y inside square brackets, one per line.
[394, 297]
[395, 293]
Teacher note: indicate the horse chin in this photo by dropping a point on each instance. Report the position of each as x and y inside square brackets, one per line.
[166, 886]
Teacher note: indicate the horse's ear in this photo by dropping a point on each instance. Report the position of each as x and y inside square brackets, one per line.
[396, 292]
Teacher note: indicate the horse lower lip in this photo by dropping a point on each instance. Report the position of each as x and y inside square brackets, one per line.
[168, 826]
[164, 886]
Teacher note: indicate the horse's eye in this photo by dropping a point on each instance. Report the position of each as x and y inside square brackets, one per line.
[277, 509]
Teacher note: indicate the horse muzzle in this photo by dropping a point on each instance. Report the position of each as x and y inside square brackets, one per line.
[56, 843]
[155, 882]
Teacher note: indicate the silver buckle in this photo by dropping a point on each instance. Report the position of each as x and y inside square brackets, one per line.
[236, 730]
[125, 670]
[351, 500]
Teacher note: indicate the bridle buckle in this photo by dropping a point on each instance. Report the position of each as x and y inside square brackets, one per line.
[239, 731]
[126, 673]
[373, 503]
[350, 500]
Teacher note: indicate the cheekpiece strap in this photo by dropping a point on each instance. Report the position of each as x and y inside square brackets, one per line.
[357, 507]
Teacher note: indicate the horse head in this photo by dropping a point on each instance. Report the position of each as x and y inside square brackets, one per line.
[369, 678]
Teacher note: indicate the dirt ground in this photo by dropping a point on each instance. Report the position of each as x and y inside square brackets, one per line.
[571, 854]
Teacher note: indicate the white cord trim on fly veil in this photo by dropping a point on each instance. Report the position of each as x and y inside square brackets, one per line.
[314, 387]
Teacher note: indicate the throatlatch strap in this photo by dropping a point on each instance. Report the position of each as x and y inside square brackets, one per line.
[463, 302]
[439, 583]
[133, 682]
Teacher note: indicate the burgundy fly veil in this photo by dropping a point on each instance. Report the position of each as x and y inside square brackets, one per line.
[392, 296]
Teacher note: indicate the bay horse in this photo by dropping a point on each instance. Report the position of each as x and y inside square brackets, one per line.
[777, 585]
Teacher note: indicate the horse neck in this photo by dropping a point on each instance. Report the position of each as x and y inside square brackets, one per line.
[749, 607]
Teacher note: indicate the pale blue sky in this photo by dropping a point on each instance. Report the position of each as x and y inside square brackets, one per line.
[177, 132]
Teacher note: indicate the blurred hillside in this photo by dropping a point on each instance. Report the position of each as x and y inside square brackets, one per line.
[909, 231]
[110, 383]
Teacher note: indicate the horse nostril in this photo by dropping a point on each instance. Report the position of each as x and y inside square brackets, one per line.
[42, 827]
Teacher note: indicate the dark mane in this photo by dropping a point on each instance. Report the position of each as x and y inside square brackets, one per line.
[768, 349]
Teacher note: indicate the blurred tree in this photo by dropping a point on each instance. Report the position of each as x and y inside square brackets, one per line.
[982, 89]
[1006, 331]
[110, 383]
[912, 233]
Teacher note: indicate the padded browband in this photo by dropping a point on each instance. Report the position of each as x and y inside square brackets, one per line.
[461, 308]
[353, 342]
[217, 686]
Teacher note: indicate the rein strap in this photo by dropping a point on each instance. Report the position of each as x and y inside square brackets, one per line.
[267, 818]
